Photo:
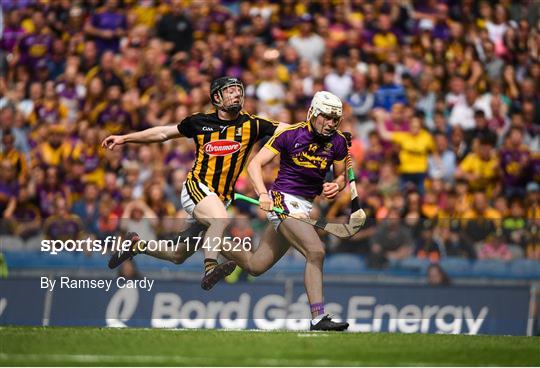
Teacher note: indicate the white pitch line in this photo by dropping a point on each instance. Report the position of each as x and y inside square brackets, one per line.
[314, 334]
[164, 359]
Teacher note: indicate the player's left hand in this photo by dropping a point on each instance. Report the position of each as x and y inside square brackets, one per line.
[330, 190]
[265, 202]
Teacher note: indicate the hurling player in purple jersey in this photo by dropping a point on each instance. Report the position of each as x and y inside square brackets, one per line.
[307, 152]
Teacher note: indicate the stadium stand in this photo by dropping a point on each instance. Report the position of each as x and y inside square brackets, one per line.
[466, 194]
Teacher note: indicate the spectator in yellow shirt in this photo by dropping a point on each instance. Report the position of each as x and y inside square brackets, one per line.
[414, 148]
[480, 168]
[384, 40]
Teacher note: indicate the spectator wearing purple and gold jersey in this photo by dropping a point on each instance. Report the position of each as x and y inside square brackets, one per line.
[37, 45]
[51, 188]
[71, 93]
[55, 150]
[533, 221]
[111, 116]
[48, 111]
[373, 159]
[73, 178]
[9, 188]
[107, 25]
[15, 157]
[89, 57]
[95, 95]
[26, 218]
[106, 71]
[89, 152]
[514, 162]
[62, 225]
[165, 91]
[12, 31]
[385, 38]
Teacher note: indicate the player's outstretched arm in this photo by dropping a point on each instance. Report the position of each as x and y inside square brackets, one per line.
[255, 175]
[150, 135]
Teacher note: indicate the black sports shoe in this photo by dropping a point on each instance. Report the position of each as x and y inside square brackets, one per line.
[326, 324]
[219, 272]
[120, 256]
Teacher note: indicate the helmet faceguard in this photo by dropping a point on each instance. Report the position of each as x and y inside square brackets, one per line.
[222, 101]
[330, 107]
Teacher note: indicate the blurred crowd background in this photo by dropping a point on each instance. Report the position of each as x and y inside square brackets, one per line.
[442, 98]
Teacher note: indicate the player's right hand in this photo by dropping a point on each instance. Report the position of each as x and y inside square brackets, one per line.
[113, 140]
[265, 202]
[348, 138]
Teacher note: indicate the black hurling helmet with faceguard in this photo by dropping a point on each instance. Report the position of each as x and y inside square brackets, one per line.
[218, 86]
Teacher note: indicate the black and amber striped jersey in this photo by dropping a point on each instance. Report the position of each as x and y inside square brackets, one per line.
[223, 147]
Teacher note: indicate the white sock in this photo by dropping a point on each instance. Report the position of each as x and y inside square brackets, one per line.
[317, 319]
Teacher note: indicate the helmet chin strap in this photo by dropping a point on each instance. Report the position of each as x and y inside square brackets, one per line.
[233, 109]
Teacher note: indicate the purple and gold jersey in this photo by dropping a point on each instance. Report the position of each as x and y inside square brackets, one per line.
[63, 228]
[304, 160]
[534, 168]
[110, 21]
[11, 37]
[514, 165]
[34, 47]
[113, 118]
[372, 165]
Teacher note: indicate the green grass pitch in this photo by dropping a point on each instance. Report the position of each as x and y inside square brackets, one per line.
[47, 346]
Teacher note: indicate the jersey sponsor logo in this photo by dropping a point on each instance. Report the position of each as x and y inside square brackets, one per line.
[222, 147]
[304, 159]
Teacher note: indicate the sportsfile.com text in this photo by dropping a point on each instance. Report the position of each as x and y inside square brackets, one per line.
[114, 243]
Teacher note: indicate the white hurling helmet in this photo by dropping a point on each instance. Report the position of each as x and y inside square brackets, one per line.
[327, 104]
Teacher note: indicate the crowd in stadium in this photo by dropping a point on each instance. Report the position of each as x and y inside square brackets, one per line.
[442, 98]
